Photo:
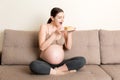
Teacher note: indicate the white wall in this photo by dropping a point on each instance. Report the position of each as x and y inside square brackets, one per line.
[83, 14]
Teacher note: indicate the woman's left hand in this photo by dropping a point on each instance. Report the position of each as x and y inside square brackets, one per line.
[71, 31]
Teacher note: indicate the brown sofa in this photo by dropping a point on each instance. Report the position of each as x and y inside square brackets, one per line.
[101, 48]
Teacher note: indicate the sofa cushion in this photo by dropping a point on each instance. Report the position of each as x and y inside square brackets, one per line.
[112, 70]
[20, 73]
[86, 44]
[88, 72]
[110, 46]
[19, 47]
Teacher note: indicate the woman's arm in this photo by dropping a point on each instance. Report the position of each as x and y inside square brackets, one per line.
[43, 43]
[68, 39]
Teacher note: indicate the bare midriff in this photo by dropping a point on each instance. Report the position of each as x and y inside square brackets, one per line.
[54, 54]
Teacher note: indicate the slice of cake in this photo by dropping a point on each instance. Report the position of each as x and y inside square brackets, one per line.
[69, 28]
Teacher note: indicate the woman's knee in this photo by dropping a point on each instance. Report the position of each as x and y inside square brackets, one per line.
[81, 60]
[33, 66]
[76, 63]
[39, 67]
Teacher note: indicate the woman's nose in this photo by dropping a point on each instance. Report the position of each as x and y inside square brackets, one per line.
[62, 20]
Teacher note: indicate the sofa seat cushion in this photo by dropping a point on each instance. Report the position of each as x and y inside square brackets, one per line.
[88, 72]
[97, 72]
[112, 70]
[9, 72]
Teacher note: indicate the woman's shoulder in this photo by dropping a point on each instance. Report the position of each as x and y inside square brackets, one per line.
[44, 25]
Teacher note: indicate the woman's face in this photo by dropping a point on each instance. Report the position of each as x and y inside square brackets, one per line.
[59, 19]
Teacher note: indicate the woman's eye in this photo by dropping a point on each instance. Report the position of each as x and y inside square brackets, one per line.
[59, 17]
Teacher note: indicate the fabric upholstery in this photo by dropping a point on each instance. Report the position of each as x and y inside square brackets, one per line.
[88, 72]
[110, 46]
[86, 44]
[112, 70]
[20, 47]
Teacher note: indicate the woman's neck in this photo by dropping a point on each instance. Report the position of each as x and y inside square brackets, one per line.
[53, 25]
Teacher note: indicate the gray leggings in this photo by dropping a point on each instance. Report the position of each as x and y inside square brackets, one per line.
[43, 68]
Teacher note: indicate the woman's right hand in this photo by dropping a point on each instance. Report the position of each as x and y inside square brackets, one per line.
[58, 34]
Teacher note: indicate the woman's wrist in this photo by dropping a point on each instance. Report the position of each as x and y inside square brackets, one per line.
[69, 33]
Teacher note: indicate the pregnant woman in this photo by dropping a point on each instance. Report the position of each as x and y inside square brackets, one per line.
[52, 37]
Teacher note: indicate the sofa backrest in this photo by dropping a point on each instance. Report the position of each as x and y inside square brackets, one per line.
[110, 46]
[86, 44]
[21, 47]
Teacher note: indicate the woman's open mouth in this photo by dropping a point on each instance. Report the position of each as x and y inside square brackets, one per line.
[60, 23]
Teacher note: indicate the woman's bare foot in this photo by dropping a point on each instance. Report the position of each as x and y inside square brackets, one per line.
[59, 72]
[56, 71]
[63, 68]
[52, 71]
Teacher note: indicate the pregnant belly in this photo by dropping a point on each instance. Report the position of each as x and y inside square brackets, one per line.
[54, 54]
